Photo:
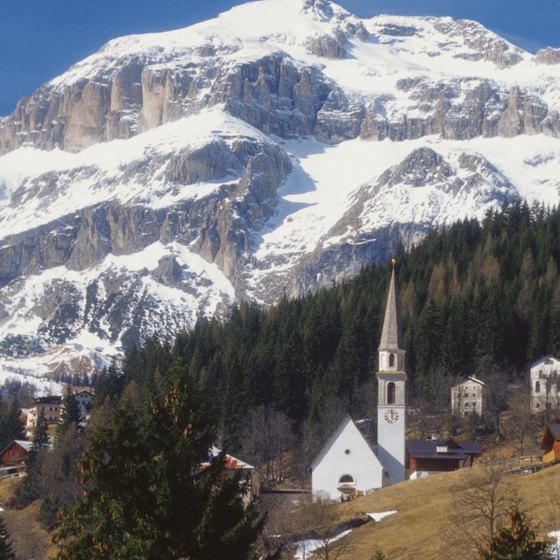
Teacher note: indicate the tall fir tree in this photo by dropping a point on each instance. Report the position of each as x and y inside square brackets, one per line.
[149, 494]
[70, 415]
[39, 445]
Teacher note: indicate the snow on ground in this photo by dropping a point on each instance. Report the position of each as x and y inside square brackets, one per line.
[306, 548]
[42, 385]
[381, 515]
[555, 547]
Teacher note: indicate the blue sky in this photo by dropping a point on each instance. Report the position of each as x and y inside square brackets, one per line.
[40, 39]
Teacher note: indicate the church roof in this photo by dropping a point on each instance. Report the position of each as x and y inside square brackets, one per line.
[341, 427]
[391, 335]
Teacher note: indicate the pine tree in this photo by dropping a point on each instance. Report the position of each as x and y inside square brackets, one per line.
[70, 415]
[11, 426]
[30, 487]
[6, 549]
[517, 541]
[147, 493]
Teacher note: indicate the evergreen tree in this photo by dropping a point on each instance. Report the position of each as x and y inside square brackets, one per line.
[517, 541]
[11, 426]
[6, 549]
[31, 486]
[148, 494]
[70, 415]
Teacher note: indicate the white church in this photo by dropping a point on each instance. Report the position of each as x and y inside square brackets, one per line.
[347, 463]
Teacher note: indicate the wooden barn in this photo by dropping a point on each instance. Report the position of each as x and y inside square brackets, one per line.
[15, 453]
[551, 443]
[428, 457]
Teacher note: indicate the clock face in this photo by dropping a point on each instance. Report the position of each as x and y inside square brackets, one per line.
[391, 416]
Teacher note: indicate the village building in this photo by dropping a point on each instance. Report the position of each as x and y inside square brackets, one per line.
[84, 397]
[551, 443]
[50, 407]
[545, 384]
[346, 464]
[428, 457]
[248, 474]
[467, 397]
[15, 453]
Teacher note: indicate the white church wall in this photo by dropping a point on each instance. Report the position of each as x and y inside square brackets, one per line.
[348, 455]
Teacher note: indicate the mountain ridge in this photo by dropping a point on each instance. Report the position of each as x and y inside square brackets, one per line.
[169, 175]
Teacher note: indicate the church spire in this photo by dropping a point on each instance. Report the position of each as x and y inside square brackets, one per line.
[391, 335]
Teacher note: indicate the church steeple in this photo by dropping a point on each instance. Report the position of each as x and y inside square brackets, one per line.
[391, 347]
[391, 391]
[391, 335]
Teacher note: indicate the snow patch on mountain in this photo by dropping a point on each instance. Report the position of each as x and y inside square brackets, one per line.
[66, 182]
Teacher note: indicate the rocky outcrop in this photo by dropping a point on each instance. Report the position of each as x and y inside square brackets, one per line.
[282, 96]
[482, 45]
[218, 227]
[548, 56]
[328, 46]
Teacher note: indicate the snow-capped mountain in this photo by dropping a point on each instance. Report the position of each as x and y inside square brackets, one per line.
[271, 150]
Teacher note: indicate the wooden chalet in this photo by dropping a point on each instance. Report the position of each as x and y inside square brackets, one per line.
[15, 453]
[551, 443]
[247, 473]
[428, 457]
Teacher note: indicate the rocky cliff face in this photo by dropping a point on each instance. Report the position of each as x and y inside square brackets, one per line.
[167, 175]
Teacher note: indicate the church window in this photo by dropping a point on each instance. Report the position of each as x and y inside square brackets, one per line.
[538, 405]
[391, 390]
[346, 478]
[538, 387]
[391, 360]
[347, 451]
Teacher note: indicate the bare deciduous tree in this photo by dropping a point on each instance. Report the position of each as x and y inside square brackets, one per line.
[482, 498]
[267, 438]
[311, 529]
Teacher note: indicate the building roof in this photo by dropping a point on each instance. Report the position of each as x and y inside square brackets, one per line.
[554, 428]
[542, 359]
[428, 449]
[345, 421]
[230, 462]
[391, 335]
[472, 379]
[53, 399]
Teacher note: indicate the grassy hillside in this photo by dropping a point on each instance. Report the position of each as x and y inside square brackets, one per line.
[29, 539]
[428, 523]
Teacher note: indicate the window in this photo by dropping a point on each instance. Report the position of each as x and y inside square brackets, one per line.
[391, 390]
[346, 478]
[391, 360]
[538, 387]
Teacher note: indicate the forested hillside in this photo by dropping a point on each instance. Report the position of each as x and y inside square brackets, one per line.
[473, 297]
